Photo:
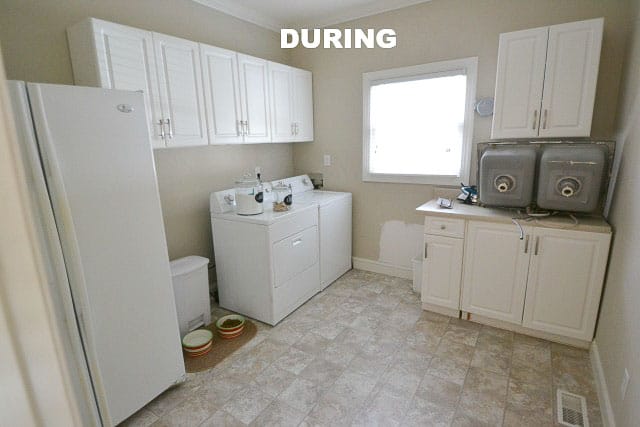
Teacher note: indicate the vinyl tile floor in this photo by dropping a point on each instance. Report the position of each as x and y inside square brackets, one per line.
[364, 353]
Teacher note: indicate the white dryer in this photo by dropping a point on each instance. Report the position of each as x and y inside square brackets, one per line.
[334, 225]
[267, 265]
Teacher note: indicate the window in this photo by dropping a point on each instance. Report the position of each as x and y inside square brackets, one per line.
[418, 123]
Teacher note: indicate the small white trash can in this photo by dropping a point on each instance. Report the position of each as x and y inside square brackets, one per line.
[190, 278]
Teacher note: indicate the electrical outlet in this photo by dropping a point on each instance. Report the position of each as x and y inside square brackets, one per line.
[624, 384]
[327, 159]
[258, 170]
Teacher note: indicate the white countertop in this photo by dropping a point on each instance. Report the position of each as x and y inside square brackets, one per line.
[478, 213]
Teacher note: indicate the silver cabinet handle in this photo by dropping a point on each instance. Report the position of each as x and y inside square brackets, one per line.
[535, 120]
[293, 128]
[295, 125]
[245, 127]
[297, 242]
[238, 127]
[526, 244]
[161, 124]
[544, 120]
[170, 128]
[425, 249]
[535, 252]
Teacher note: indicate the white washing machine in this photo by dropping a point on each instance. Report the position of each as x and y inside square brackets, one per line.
[267, 265]
[334, 225]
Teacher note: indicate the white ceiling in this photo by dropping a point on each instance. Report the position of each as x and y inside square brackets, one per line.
[277, 14]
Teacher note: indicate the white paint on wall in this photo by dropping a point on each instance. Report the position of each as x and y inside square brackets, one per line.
[400, 243]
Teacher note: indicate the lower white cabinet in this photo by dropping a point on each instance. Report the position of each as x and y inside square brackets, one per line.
[565, 281]
[546, 280]
[441, 271]
[495, 275]
[549, 281]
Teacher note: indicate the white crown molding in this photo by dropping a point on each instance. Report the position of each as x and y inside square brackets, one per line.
[231, 7]
[357, 12]
[246, 14]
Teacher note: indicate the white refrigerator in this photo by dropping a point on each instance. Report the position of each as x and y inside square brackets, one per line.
[91, 176]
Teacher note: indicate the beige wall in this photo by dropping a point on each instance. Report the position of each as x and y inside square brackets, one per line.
[33, 39]
[432, 31]
[618, 335]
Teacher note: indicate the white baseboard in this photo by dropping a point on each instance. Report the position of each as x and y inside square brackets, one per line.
[382, 268]
[601, 387]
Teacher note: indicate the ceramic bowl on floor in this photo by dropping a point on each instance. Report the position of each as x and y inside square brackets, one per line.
[197, 339]
[230, 323]
[198, 349]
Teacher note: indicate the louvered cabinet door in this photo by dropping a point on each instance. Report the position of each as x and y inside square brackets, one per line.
[181, 90]
[122, 58]
[566, 274]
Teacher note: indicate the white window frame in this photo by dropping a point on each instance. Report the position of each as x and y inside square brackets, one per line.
[469, 66]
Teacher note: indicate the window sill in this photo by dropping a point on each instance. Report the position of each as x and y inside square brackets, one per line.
[415, 179]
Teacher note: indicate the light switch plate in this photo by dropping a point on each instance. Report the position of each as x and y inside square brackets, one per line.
[327, 159]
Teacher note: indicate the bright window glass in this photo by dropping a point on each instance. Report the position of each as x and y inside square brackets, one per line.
[418, 123]
[417, 126]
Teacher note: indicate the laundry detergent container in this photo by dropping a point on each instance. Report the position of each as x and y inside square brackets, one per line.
[191, 289]
[507, 176]
[571, 177]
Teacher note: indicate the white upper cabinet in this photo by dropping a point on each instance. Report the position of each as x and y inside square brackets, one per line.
[195, 94]
[302, 105]
[496, 264]
[573, 58]
[565, 282]
[222, 95]
[520, 75]
[546, 81]
[181, 91]
[291, 103]
[114, 56]
[282, 99]
[254, 92]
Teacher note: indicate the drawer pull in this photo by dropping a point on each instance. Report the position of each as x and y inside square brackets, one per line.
[425, 250]
[526, 244]
[537, 244]
[296, 242]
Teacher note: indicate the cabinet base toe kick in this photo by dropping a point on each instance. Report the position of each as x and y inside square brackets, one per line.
[560, 339]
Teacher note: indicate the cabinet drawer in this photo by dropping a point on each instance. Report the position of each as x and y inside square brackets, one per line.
[444, 227]
[294, 254]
